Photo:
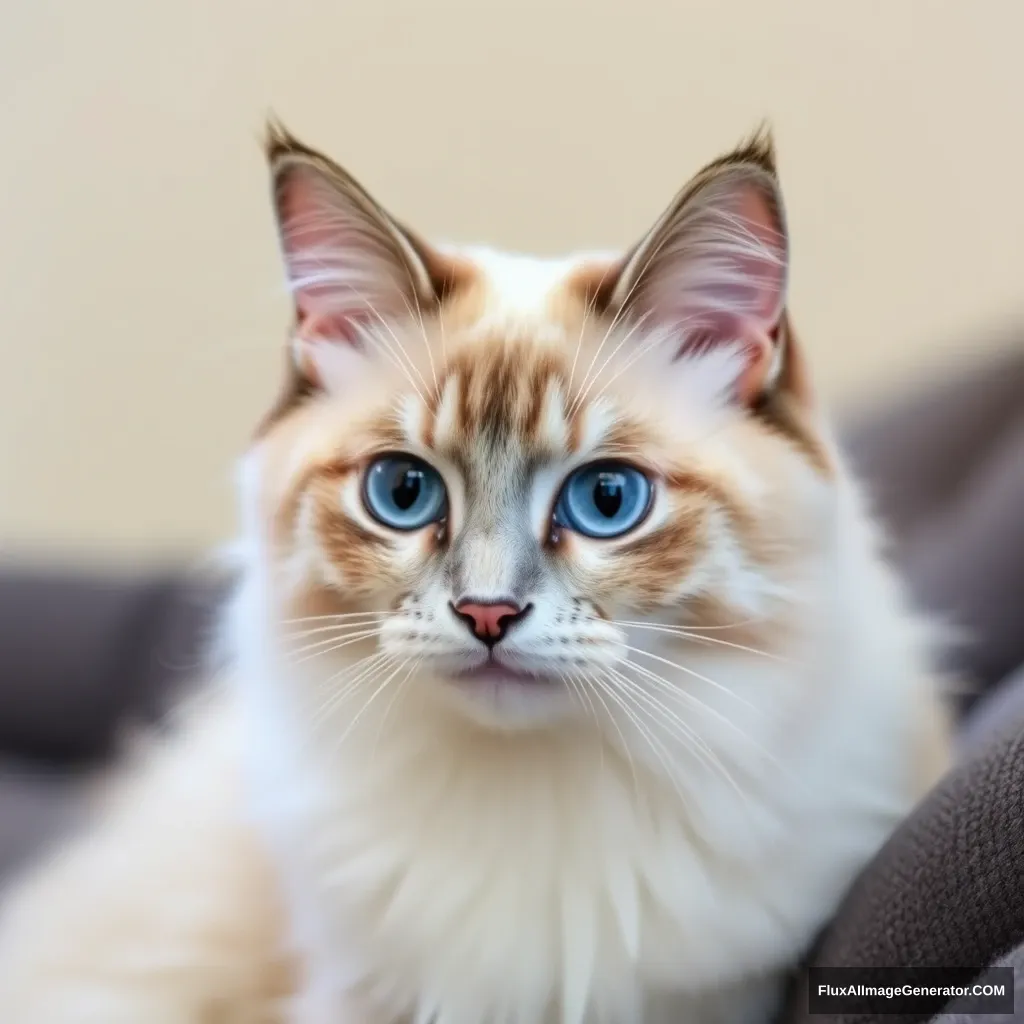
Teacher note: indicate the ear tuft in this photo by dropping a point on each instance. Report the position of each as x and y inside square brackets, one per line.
[758, 149]
[279, 143]
[277, 140]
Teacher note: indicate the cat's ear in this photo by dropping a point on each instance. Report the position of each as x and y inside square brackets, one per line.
[711, 274]
[349, 266]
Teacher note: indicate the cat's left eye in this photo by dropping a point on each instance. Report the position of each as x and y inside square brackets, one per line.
[404, 493]
[604, 500]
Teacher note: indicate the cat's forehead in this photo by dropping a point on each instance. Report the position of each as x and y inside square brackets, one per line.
[513, 355]
[502, 288]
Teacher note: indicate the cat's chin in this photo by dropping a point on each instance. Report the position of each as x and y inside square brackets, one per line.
[502, 697]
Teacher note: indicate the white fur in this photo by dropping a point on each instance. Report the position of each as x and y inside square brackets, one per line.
[434, 868]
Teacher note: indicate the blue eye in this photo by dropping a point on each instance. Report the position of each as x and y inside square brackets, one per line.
[404, 493]
[604, 499]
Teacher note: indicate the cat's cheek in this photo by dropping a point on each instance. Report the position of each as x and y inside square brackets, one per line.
[403, 562]
[590, 570]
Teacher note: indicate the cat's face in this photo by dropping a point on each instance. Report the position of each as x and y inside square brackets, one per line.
[495, 474]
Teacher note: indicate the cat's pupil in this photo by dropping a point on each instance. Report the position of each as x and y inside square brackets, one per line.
[407, 486]
[608, 494]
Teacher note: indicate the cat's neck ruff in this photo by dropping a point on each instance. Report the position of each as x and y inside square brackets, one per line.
[559, 869]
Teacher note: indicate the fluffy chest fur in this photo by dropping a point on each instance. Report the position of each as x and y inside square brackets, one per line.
[446, 874]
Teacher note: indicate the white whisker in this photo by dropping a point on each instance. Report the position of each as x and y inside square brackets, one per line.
[704, 708]
[587, 311]
[581, 396]
[362, 711]
[320, 618]
[689, 736]
[623, 306]
[692, 628]
[691, 672]
[685, 634]
[426, 340]
[365, 667]
[617, 694]
[364, 635]
[330, 628]
[399, 689]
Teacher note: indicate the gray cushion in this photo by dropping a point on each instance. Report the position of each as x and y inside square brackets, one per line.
[946, 889]
[945, 469]
[1015, 961]
[81, 653]
[36, 807]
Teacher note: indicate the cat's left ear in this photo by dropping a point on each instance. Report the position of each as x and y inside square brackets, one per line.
[711, 274]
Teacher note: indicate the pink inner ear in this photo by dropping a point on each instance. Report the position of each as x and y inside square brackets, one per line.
[719, 273]
[340, 326]
[714, 278]
[341, 270]
[759, 252]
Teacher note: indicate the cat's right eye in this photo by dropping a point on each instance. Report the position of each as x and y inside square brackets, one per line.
[404, 493]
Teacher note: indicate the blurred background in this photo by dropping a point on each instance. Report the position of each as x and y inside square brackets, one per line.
[142, 310]
[142, 315]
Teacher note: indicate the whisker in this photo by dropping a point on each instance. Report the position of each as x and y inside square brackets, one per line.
[320, 618]
[384, 345]
[368, 666]
[423, 332]
[581, 396]
[444, 340]
[581, 689]
[394, 337]
[364, 635]
[657, 747]
[329, 276]
[704, 708]
[590, 678]
[603, 687]
[362, 711]
[336, 627]
[347, 283]
[691, 672]
[624, 305]
[584, 693]
[661, 706]
[692, 629]
[690, 737]
[658, 338]
[697, 638]
[399, 689]
[587, 311]
[682, 692]
[575, 681]
[573, 685]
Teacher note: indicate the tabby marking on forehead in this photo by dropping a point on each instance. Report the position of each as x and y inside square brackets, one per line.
[500, 390]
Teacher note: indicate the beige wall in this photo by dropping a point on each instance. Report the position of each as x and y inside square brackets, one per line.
[141, 315]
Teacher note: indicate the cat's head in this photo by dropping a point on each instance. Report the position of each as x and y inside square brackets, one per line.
[496, 473]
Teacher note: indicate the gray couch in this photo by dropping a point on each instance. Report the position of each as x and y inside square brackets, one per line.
[84, 654]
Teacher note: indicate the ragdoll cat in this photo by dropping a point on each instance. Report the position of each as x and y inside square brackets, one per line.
[566, 681]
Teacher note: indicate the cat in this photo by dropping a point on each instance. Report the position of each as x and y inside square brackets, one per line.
[567, 681]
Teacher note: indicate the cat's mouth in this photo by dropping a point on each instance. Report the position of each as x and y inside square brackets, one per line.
[492, 673]
[504, 695]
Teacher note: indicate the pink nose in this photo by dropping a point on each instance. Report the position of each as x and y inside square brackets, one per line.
[488, 622]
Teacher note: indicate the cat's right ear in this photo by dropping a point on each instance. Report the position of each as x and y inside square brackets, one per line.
[349, 266]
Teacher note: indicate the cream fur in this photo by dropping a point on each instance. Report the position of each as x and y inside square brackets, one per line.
[415, 861]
